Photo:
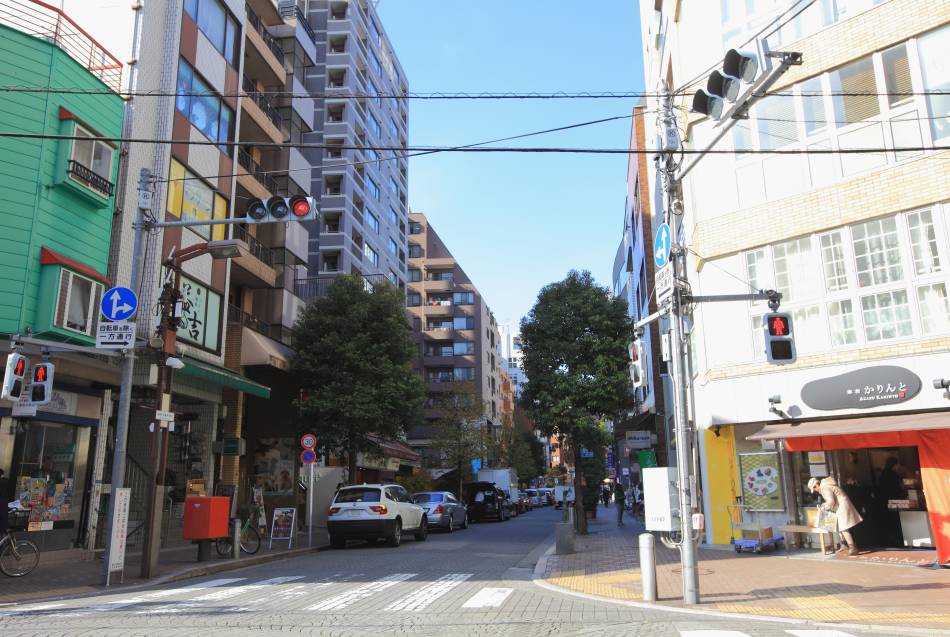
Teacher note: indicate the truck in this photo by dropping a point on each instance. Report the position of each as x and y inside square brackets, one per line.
[505, 479]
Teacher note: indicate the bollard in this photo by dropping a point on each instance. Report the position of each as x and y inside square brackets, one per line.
[235, 538]
[648, 567]
[564, 538]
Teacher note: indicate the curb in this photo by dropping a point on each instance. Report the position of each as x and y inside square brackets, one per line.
[541, 566]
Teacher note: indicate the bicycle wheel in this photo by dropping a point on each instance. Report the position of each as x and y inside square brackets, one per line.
[223, 546]
[250, 540]
[18, 557]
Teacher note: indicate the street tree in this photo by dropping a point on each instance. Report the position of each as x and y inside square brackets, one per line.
[457, 433]
[575, 357]
[352, 362]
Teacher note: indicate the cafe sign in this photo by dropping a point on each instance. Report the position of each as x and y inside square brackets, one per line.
[862, 389]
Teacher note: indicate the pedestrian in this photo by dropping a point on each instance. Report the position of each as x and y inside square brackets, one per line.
[619, 500]
[837, 502]
[605, 494]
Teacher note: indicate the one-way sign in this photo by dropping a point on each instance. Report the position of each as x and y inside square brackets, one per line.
[115, 335]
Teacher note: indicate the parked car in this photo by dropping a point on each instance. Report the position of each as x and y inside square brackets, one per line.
[533, 498]
[443, 510]
[547, 496]
[374, 511]
[524, 502]
[511, 504]
[485, 500]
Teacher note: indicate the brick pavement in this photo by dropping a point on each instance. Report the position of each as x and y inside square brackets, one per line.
[606, 563]
[63, 573]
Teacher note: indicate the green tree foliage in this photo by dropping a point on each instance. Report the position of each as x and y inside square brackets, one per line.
[354, 349]
[575, 357]
[520, 450]
[457, 435]
[419, 481]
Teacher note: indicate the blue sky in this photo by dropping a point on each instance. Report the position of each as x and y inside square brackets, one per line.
[516, 222]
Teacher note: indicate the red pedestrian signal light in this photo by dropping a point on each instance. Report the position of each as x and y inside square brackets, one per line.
[13, 376]
[778, 325]
[779, 341]
[39, 374]
[41, 391]
[20, 367]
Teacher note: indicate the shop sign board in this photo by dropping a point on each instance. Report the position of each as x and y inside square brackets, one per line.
[120, 527]
[638, 440]
[865, 388]
[660, 499]
[761, 481]
[283, 525]
[24, 407]
[646, 458]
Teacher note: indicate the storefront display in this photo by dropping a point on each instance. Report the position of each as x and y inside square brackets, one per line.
[274, 466]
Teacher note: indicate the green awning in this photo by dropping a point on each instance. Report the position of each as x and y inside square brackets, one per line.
[222, 376]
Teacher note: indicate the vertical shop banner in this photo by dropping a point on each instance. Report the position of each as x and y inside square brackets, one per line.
[761, 481]
[120, 528]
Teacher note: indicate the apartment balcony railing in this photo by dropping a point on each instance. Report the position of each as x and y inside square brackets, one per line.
[255, 21]
[261, 252]
[250, 89]
[317, 287]
[256, 171]
[289, 9]
[45, 22]
[86, 176]
[279, 333]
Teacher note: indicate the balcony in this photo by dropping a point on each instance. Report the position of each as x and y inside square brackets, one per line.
[280, 333]
[290, 11]
[265, 121]
[256, 270]
[264, 57]
[318, 286]
[253, 178]
[86, 177]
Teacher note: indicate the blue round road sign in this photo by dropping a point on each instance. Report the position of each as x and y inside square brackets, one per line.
[118, 304]
[661, 245]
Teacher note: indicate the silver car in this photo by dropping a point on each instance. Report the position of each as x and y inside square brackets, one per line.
[443, 510]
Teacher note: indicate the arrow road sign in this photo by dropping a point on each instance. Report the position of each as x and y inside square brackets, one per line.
[118, 304]
[661, 245]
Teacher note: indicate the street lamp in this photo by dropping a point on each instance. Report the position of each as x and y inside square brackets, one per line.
[171, 310]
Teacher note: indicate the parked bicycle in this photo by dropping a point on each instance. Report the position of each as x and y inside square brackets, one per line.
[18, 557]
[250, 540]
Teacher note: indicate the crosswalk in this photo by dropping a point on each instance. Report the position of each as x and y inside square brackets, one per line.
[738, 633]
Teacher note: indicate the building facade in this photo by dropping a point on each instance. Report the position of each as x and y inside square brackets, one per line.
[856, 243]
[454, 327]
[58, 214]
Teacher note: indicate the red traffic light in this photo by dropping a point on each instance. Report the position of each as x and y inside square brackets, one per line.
[778, 325]
[39, 374]
[301, 208]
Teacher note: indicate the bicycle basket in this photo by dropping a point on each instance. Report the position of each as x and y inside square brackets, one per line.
[18, 520]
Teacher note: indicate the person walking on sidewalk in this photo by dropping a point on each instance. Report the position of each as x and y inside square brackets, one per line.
[605, 494]
[620, 500]
[835, 501]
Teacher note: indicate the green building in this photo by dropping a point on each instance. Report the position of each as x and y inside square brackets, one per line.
[56, 212]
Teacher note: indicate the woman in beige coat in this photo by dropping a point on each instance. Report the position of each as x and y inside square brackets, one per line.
[837, 502]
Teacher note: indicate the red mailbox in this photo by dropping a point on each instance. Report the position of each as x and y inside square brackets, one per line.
[206, 517]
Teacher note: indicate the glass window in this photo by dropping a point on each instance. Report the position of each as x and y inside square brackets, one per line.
[934, 308]
[415, 276]
[415, 251]
[832, 259]
[372, 221]
[794, 269]
[841, 321]
[809, 329]
[371, 187]
[203, 110]
[897, 75]
[92, 156]
[212, 20]
[886, 315]
[413, 299]
[393, 248]
[813, 105]
[923, 242]
[776, 121]
[877, 254]
[371, 254]
[373, 124]
[935, 71]
[191, 8]
[393, 187]
[464, 373]
[357, 494]
[414, 227]
[463, 298]
[463, 323]
[232, 41]
[857, 77]
[393, 217]
[463, 347]
[755, 268]
[225, 129]
[79, 303]
[185, 75]
[424, 498]
[192, 198]
[861, 138]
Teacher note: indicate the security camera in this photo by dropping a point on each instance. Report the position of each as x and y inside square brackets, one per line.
[776, 399]
[174, 362]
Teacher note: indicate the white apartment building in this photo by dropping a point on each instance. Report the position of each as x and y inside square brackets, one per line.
[858, 245]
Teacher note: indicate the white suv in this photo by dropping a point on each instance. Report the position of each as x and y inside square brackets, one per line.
[373, 511]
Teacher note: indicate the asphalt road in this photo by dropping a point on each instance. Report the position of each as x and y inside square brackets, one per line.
[472, 582]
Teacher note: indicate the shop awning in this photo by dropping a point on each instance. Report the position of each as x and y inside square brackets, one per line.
[257, 349]
[222, 376]
[845, 426]
[395, 449]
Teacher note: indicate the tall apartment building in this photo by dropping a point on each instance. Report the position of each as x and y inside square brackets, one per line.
[363, 193]
[858, 244]
[454, 327]
[512, 356]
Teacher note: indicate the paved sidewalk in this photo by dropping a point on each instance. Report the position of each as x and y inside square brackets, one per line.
[63, 573]
[606, 563]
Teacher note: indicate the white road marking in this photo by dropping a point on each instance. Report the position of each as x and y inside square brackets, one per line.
[488, 597]
[218, 595]
[818, 633]
[28, 609]
[213, 583]
[712, 633]
[420, 599]
[361, 592]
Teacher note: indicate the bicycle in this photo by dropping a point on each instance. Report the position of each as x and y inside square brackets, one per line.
[250, 540]
[18, 557]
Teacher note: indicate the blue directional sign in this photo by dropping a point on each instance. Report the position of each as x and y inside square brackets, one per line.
[476, 465]
[118, 304]
[661, 246]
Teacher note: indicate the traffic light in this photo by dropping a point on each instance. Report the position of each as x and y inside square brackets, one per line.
[738, 68]
[779, 340]
[17, 366]
[281, 209]
[42, 388]
[636, 363]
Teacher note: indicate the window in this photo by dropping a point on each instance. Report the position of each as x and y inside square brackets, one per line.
[371, 254]
[877, 252]
[78, 303]
[191, 198]
[934, 308]
[841, 321]
[373, 62]
[373, 31]
[935, 71]
[218, 25]
[372, 221]
[206, 111]
[415, 276]
[464, 373]
[393, 217]
[371, 187]
[776, 123]
[832, 258]
[463, 298]
[463, 323]
[393, 248]
[392, 277]
[90, 162]
[415, 251]
[886, 315]
[413, 299]
[373, 124]
[393, 187]
[813, 106]
[923, 242]
[794, 269]
[460, 348]
[897, 75]
[857, 77]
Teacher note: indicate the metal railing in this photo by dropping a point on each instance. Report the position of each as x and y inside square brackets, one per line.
[256, 171]
[250, 89]
[289, 9]
[261, 252]
[255, 21]
[46, 22]
[87, 177]
[317, 287]
[277, 332]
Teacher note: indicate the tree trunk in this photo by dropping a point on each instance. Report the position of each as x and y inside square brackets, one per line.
[580, 516]
[459, 494]
[351, 466]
